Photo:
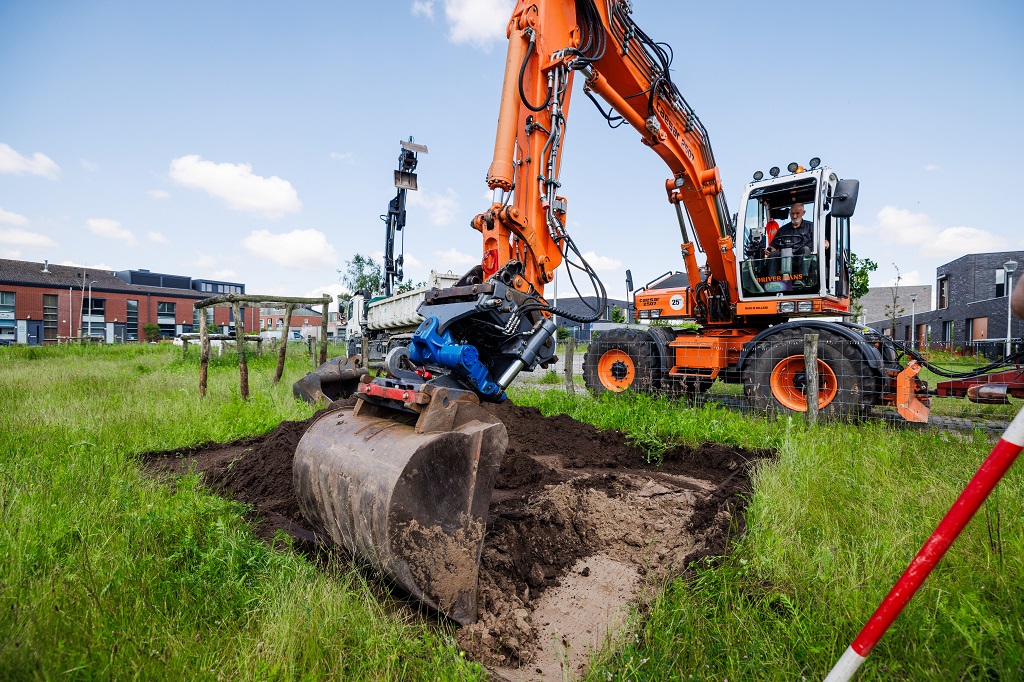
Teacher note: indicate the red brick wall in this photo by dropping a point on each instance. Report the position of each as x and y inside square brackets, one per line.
[28, 305]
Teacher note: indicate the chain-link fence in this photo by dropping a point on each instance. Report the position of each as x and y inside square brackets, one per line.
[853, 378]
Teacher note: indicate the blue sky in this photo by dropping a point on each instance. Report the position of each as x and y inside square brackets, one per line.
[255, 141]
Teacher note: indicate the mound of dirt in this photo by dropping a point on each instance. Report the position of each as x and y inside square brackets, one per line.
[580, 524]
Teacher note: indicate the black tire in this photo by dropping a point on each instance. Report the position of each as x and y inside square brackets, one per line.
[847, 389]
[630, 361]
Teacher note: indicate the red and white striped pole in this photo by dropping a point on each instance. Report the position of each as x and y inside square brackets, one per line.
[979, 487]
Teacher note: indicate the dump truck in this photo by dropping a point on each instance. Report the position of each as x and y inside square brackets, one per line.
[386, 322]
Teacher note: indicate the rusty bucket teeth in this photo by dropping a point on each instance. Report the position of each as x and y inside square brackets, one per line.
[407, 492]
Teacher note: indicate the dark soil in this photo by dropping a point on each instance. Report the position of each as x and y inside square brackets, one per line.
[534, 534]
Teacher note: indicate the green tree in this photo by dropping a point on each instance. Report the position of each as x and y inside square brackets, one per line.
[860, 274]
[617, 315]
[407, 285]
[363, 273]
[151, 331]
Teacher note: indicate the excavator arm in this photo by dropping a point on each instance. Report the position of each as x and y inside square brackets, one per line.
[549, 41]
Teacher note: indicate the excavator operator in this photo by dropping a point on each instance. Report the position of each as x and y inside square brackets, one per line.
[797, 234]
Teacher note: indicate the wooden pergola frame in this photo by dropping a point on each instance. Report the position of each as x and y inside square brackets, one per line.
[235, 301]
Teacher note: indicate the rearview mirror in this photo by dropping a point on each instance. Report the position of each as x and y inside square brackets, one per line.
[844, 202]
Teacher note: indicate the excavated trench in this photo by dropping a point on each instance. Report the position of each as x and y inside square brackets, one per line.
[581, 526]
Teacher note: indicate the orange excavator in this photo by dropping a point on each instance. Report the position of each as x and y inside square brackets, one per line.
[404, 478]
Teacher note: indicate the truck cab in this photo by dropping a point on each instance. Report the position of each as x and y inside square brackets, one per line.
[805, 266]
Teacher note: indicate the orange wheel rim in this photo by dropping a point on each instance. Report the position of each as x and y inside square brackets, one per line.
[789, 387]
[616, 370]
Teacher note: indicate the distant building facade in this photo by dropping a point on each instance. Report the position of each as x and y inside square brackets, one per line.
[306, 321]
[876, 303]
[971, 304]
[43, 304]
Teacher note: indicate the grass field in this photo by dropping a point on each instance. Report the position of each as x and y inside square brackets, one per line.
[108, 573]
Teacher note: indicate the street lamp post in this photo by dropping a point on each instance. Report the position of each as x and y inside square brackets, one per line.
[913, 326]
[1010, 267]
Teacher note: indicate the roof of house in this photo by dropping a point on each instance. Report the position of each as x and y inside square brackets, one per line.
[28, 273]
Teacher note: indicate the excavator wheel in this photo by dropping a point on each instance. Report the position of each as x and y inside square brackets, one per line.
[620, 359]
[775, 378]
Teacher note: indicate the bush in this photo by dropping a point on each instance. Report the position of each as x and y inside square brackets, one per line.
[151, 332]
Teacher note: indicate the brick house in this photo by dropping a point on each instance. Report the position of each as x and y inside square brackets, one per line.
[42, 303]
[971, 304]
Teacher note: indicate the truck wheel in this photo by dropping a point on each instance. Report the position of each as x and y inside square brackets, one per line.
[776, 380]
[621, 359]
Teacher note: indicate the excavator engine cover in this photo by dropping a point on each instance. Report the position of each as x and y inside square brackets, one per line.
[406, 490]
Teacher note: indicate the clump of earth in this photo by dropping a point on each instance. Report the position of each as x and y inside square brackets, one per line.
[582, 526]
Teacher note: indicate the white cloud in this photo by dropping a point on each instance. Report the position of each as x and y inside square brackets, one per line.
[424, 8]
[346, 156]
[111, 229]
[602, 263]
[454, 260]
[158, 194]
[74, 264]
[477, 22]
[334, 290]
[441, 208]
[40, 164]
[912, 278]
[410, 261]
[23, 238]
[206, 261]
[157, 237]
[89, 165]
[12, 218]
[237, 186]
[298, 249]
[11, 254]
[900, 227]
[931, 167]
[224, 274]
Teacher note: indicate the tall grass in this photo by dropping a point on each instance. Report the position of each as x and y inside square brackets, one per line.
[831, 525]
[109, 573]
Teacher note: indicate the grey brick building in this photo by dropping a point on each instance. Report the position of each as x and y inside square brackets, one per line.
[971, 304]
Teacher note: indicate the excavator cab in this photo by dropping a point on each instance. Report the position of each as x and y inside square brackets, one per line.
[795, 237]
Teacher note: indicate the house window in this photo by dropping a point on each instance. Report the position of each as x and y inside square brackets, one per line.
[947, 331]
[166, 317]
[196, 319]
[7, 323]
[131, 327]
[49, 318]
[94, 320]
[280, 322]
[1000, 282]
[943, 288]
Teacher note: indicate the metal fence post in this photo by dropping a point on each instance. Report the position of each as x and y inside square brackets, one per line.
[811, 372]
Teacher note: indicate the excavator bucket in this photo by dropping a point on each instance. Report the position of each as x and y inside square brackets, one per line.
[407, 491]
[335, 379]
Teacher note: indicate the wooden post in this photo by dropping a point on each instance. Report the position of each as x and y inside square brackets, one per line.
[259, 347]
[570, 347]
[323, 329]
[811, 372]
[243, 368]
[184, 348]
[204, 352]
[284, 342]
